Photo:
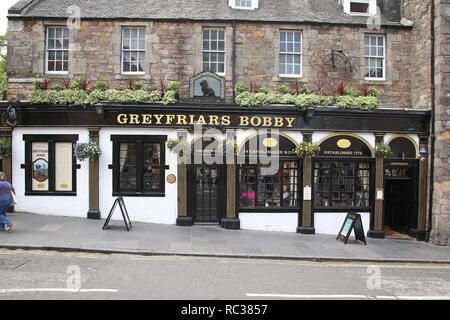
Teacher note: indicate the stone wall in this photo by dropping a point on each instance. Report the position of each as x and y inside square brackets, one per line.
[441, 196]
[174, 53]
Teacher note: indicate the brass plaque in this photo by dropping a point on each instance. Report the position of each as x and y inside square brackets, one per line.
[270, 142]
[344, 144]
[171, 178]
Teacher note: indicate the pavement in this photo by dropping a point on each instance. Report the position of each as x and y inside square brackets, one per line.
[45, 232]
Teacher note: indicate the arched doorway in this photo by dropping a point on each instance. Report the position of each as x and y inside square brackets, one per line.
[401, 169]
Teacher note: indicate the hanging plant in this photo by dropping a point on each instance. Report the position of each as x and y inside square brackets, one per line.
[5, 148]
[179, 146]
[228, 146]
[307, 150]
[87, 150]
[382, 150]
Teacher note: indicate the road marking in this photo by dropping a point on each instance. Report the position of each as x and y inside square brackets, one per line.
[28, 290]
[345, 296]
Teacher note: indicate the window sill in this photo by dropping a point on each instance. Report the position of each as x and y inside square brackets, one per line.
[142, 194]
[293, 76]
[375, 79]
[268, 209]
[62, 73]
[51, 194]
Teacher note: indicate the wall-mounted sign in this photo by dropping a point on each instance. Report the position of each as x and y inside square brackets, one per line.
[171, 178]
[207, 87]
[344, 146]
[256, 146]
[380, 194]
[352, 222]
[307, 193]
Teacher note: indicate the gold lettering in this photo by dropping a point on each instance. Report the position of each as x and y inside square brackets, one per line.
[170, 118]
[146, 119]
[278, 122]
[182, 119]
[192, 119]
[290, 121]
[122, 118]
[201, 120]
[267, 122]
[213, 120]
[226, 120]
[134, 119]
[158, 118]
[244, 121]
[258, 123]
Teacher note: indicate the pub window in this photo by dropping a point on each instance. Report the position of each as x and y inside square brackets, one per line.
[57, 50]
[374, 57]
[342, 184]
[50, 165]
[139, 165]
[133, 50]
[290, 54]
[214, 50]
[260, 188]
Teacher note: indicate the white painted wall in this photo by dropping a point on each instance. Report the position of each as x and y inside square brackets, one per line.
[276, 221]
[73, 206]
[162, 210]
[331, 222]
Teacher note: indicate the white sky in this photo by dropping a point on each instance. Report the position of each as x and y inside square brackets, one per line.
[4, 6]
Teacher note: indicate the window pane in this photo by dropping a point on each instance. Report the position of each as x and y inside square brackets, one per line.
[58, 33]
[290, 36]
[51, 44]
[58, 44]
[152, 176]
[134, 33]
[51, 33]
[126, 33]
[127, 170]
[283, 36]
[63, 166]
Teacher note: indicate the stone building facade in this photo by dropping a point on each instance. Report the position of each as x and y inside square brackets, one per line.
[333, 49]
[441, 191]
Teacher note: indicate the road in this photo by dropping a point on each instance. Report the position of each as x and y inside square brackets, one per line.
[52, 275]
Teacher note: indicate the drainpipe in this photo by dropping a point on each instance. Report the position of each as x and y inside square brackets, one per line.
[433, 127]
[233, 61]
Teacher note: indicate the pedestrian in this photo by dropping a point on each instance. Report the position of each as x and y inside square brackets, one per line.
[5, 201]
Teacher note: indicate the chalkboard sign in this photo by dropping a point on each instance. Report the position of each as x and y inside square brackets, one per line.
[119, 201]
[352, 222]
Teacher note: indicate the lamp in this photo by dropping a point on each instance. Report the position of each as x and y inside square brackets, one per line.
[100, 112]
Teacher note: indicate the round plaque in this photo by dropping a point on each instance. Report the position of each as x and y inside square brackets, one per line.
[171, 178]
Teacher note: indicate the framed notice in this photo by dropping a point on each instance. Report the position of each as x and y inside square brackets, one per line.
[39, 158]
[63, 166]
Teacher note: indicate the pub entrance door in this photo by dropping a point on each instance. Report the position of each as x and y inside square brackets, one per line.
[400, 196]
[207, 193]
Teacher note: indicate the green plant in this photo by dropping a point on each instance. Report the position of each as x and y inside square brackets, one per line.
[307, 150]
[87, 150]
[282, 89]
[169, 97]
[57, 87]
[101, 85]
[382, 150]
[80, 83]
[173, 86]
[5, 148]
[138, 86]
[239, 88]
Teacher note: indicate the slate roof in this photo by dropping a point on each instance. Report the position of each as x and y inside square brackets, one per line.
[295, 11]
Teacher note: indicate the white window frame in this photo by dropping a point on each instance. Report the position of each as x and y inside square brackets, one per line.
[224, 52]
[47, 50]
[372, 10]
[375, 57]
[253, 6]
[282, 75]
[133, 50]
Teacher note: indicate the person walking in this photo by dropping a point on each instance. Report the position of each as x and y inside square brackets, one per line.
[5, 201]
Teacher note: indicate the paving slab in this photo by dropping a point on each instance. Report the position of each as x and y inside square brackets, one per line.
[33, 231]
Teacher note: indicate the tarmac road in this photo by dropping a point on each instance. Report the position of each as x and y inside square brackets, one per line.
[53, 275]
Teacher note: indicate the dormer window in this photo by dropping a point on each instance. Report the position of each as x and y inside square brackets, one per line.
[359, 7]
[244, 4]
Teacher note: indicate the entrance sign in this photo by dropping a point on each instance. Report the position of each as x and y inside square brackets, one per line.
[124, 211]
[352, 222]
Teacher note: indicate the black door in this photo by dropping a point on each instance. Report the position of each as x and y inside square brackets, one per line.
[400, 197]
[207, 193]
